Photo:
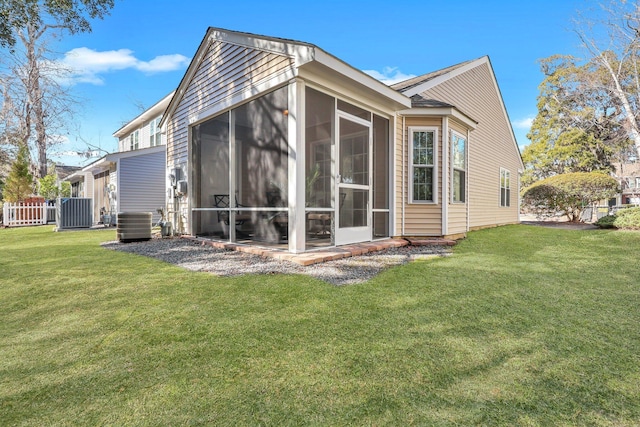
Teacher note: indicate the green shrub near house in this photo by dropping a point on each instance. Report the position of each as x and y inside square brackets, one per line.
[628, 219]
[606, 221]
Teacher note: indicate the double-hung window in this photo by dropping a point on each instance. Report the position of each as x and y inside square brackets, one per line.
[134, 140]
[505, 188]
[423, 164]
[459, 167]
[154, 132]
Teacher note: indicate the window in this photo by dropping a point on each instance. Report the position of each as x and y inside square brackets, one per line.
[505, 188]
[155, 138]
[134, 141]
[459, 165]
[423, 164]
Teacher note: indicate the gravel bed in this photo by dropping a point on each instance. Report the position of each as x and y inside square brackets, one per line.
[194, 256]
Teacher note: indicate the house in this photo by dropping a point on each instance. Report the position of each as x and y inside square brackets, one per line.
[134, 178]
[277, 142]
[628, 174]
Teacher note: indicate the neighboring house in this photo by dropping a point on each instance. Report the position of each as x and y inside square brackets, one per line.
[133, 179]
[278, 142]
[628, 174]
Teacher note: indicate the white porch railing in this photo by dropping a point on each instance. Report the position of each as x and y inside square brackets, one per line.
[23, 214]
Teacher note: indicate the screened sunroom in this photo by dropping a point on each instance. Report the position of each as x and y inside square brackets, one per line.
[281, 145]
[251, 184]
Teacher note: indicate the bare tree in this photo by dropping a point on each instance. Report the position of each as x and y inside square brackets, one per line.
[613, 44]
[35, 105]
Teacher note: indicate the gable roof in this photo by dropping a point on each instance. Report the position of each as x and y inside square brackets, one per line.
[418, 85]
[408, 84]
[302, 53]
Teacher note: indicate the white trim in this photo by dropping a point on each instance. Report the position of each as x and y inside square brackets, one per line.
[154, 111]
[444, 77]
[358, 76]
[404, 176]
[463, 69]
[445, 176]
[452, 112]
[296, 166]
[348, 235]
[301, 52]
[466, 184]
[434, 165]
[508, 200]
[454, 168]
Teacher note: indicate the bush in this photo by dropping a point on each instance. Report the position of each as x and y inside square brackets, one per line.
[628, 219]
[569, 193]
[606, 221]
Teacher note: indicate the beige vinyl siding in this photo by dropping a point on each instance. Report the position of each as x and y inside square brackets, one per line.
[490, 145]
[420, 219]
[225, 70]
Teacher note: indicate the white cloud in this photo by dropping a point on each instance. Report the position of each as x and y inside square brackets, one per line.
[523, 123]
[389, 75]
[86, 65]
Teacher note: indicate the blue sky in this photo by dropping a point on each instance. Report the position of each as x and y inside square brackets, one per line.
[139, 53]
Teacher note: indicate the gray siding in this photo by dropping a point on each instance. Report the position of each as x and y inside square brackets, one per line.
[142, 184]
[225, 70]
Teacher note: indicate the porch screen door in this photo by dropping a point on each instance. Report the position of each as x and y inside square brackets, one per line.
[353, 181]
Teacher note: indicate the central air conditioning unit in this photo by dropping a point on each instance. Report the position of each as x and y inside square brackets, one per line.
[133, 226]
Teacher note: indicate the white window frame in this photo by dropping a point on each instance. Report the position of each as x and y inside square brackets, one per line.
[433, 166]
[505, 177]
[155, 136]
[454, 168]
[134, 140]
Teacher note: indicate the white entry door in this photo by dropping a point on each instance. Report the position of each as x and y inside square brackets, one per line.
[353, 181]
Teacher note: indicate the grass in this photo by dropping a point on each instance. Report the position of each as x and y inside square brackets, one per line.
[522, 326]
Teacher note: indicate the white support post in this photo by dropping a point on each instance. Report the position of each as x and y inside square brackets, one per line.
[296, 185]
[445, 176]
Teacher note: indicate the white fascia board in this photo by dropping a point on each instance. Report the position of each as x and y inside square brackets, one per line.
[75, 177]
[451, 112]
[151, 113]
[97, 166]
[134, 153]
[104, 163]
[443, 78]
[301, 52]
[361, 77]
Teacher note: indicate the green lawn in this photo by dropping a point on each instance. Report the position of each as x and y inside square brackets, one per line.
[521, 326]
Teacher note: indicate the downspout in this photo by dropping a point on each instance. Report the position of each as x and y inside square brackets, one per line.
[404, 142]
[445, 175]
